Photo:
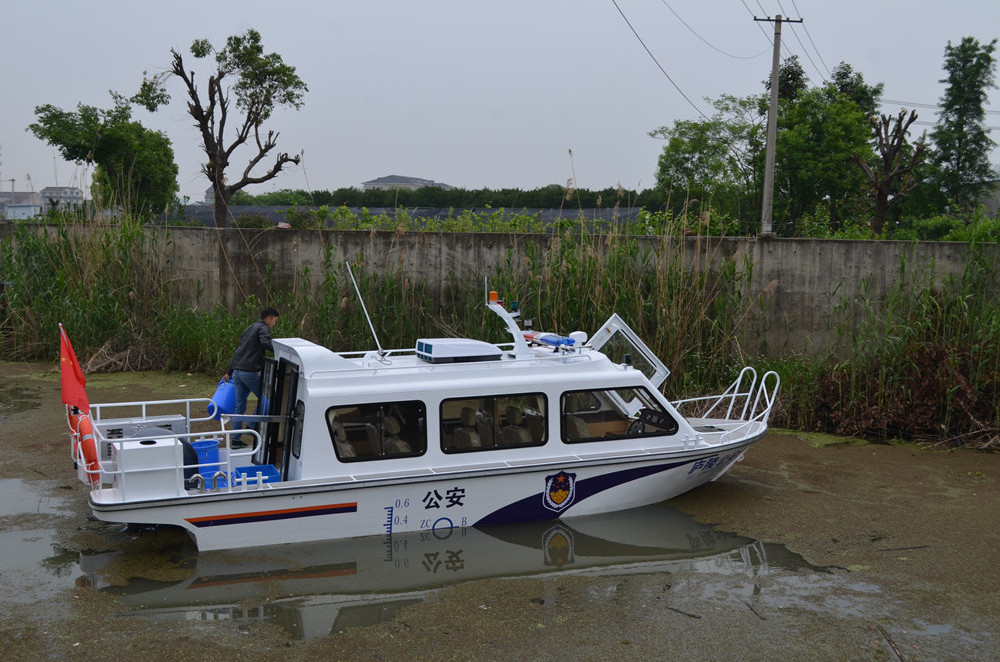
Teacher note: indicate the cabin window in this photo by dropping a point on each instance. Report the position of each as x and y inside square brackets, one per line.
[493, 422]
[600, 415]
[378, 431]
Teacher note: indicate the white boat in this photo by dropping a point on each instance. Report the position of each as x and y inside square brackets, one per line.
[452, 433]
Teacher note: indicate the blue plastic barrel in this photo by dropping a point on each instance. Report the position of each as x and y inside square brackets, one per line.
[208, 460]
[224, 400]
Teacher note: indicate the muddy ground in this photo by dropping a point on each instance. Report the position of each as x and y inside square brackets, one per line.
[904, 543]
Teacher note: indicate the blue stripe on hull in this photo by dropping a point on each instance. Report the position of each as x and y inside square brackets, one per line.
[533, 508]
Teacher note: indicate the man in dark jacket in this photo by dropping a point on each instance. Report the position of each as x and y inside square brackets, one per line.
[248, 361]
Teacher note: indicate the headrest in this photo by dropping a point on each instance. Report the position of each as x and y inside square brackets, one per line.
[339, 433]
[571, 402]
[468, 417]
[514, 416]
[391, 425]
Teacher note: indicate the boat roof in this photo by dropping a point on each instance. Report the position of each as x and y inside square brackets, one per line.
[309, 355]
[320, 364]
[531, 357]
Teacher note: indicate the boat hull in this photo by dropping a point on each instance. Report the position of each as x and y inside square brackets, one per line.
[432, 502]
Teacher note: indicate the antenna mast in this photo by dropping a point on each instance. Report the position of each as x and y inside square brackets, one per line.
[381, 352]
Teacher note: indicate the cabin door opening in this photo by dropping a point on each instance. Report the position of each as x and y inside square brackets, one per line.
[278, 392]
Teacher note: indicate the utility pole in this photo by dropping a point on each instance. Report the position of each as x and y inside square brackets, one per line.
[772, 126]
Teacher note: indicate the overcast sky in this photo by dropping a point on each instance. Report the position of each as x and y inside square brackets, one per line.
[468, 93]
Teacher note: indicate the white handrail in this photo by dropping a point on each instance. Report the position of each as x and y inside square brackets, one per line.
[758, 398]
[109, 474]
[732, 393]
[95, 409]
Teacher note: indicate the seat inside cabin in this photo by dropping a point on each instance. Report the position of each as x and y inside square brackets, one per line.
[466, 434]
[393, 443]
[515, 433]
[343, 446]
[574, 427]
[486, 428]
[368, 447]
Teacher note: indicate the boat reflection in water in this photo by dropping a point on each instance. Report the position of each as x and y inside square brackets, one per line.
[315, 589]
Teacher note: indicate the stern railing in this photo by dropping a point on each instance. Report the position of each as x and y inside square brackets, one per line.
[153, 411]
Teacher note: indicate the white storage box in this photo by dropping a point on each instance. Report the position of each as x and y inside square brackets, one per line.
[150, 468]
[111, 429]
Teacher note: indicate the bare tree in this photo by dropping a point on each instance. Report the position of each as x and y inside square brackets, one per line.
[890, 137]
[260, 82]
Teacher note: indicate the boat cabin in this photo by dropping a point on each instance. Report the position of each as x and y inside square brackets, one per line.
[451, 403]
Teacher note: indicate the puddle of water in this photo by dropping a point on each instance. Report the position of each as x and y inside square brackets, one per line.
[16, 399]
[21, 497]
[32, 566]
[316, 589]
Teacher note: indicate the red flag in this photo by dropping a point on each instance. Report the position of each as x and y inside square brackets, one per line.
[73, 380]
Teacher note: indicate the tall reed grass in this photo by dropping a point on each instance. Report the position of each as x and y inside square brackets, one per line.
[102, 279]
[924, 364]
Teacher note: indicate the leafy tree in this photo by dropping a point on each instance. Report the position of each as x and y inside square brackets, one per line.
[547, 197]
[961, 141]
[818, 137]
[792, 80]
[820, 129]
[259, 82]
[893, 181]
[135, 166]
[718, 159]
[349, 196]
[429, 196]
[852, 85]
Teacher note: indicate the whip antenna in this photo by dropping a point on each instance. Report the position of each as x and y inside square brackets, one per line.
[381, 352]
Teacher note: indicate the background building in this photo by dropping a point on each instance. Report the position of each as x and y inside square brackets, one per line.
[399, 181]
[20, 205]
[62, 197]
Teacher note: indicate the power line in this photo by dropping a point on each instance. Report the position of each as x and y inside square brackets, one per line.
[766, 34]
[806, 30]
[932, 106]
[911, 104]
[988, 128]
[676, 86]
[762, 30]
[712, 46]
[808, 56]
[803, 46]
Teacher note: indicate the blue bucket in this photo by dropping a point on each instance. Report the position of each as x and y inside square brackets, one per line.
[208, 460]
[224, 400]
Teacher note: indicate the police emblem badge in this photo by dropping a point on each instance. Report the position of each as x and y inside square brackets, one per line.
[560, 491]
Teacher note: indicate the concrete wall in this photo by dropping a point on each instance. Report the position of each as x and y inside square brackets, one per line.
[815, 276]
[212, 266]
[800, 282]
